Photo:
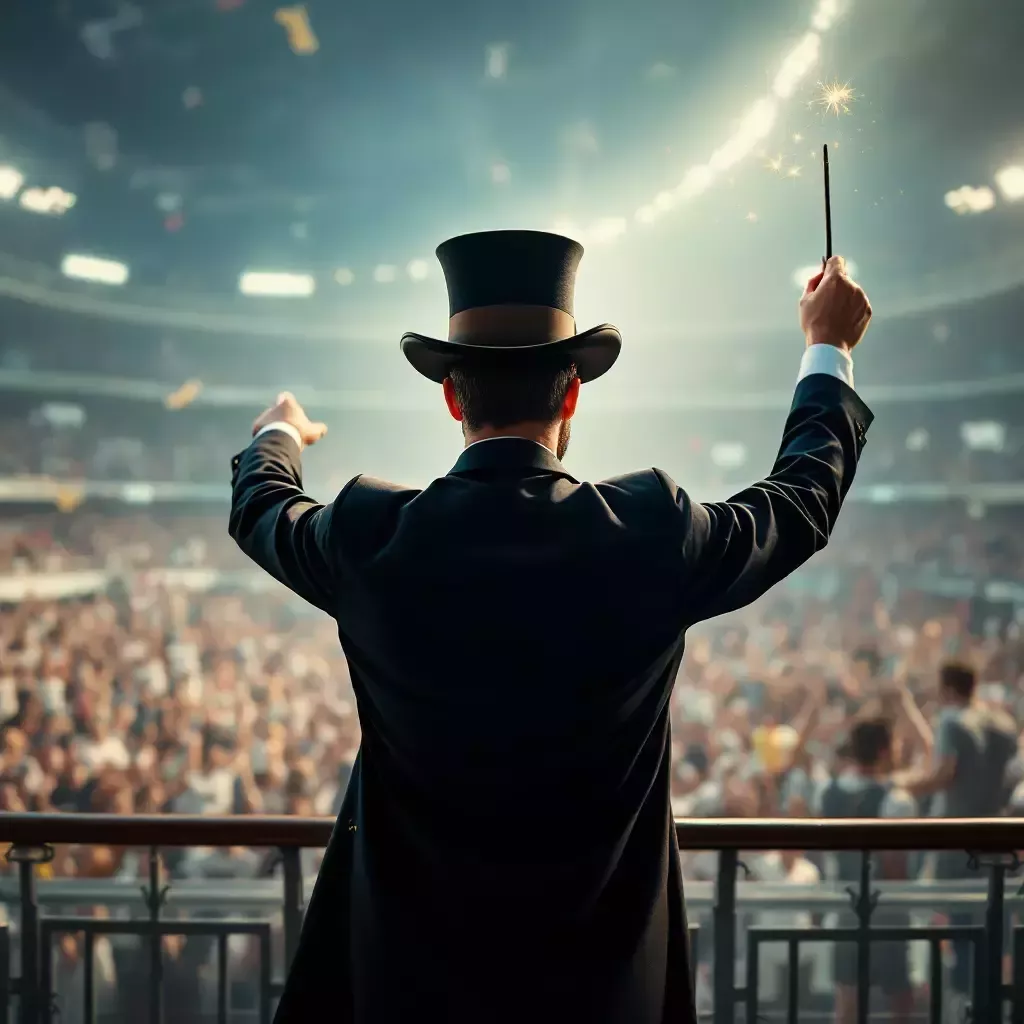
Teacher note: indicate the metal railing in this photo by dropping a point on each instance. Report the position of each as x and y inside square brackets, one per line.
[989, 845]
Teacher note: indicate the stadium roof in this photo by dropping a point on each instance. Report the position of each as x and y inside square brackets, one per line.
[191, 140]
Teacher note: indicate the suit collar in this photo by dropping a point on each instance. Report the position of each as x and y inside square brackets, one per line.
[508, 453]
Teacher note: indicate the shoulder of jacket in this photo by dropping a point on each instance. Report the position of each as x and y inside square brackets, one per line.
[641, 483]
[364, 492]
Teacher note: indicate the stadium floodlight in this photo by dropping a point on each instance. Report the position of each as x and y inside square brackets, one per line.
[984, 436]
[92, 268]
[51, 201]
[1011, 182]
[11, 180]
[418, 270]
[277, 283]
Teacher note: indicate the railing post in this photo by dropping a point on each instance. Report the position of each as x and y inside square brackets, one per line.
[864, 905]
[291, 861]
[990, 988]
[724, 966]
[31, 999]
[155, 895]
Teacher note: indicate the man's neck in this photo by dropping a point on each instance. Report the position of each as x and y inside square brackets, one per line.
[543, 434]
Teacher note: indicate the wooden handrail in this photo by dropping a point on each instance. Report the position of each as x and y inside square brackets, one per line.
[981, 835]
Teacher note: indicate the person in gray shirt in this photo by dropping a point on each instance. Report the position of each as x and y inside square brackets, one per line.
[973, 746]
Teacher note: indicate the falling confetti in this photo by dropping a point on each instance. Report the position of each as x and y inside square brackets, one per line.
[835, 97]
[793, 172]
[752, 217]
[775, 164]
[295, 21]
[69, 497]
[185, 395]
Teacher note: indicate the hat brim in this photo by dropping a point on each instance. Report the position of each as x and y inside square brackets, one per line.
[593, 352]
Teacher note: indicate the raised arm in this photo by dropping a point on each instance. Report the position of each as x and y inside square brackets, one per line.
[734, 551]
[275, 523]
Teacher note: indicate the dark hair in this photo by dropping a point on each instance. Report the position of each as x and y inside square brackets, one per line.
[869, 739]
[959, 677]
[493, 395]
[871, 657]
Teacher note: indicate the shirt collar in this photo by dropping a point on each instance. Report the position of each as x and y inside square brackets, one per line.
[510, 437]
[515, 453]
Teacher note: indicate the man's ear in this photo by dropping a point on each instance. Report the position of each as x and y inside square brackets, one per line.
[450, 400]
[572, 396]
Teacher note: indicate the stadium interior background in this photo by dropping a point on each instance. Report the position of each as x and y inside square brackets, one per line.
[205, 202]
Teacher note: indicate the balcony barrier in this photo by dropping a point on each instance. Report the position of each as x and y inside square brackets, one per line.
[990, 848]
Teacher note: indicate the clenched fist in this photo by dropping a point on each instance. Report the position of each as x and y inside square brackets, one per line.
[834, 309]
[287, 410]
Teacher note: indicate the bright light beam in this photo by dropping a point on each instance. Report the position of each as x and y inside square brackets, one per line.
[759, 120]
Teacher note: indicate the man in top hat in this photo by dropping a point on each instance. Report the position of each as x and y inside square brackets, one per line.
[506, 851]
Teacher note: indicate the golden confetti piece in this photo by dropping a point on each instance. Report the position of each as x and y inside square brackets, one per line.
[775, 164]
[185, 395]
[301, 37]
[793, 172]
[751, 217]
[69, 497]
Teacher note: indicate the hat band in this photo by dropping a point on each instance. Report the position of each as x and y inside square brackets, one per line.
[510, 324]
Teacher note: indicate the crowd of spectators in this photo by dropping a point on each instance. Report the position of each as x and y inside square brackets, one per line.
[149, 694]
[146, 694]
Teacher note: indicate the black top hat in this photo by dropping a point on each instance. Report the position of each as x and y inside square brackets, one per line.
[510, 298]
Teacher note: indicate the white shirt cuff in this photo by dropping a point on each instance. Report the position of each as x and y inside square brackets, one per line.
[286, 428]
[827, 359]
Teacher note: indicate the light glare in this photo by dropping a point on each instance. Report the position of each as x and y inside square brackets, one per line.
[1011, 182]
[277, 284]
[92, 268]
[756, 124]
[52, 201]
[970, 200]
[826, 14]
[798, 62]
[11, 181]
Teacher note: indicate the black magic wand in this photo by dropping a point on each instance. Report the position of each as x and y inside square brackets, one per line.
[828, 209]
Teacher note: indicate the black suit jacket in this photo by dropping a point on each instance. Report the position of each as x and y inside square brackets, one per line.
[505, 851]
